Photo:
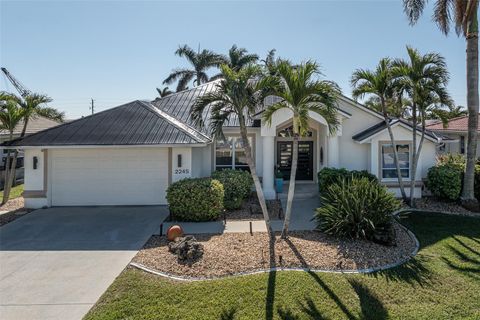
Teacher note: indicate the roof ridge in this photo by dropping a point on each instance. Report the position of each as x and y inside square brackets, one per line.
[186, 90]
[189, 130]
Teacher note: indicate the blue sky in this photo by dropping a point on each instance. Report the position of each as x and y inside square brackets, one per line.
[118, 51]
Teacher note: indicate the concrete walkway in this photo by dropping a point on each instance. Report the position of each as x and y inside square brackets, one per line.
[56, 263]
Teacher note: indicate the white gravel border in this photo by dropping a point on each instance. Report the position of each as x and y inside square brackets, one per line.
[268, 270]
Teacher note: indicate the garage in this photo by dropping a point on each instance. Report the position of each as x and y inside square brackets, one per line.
[109, 176]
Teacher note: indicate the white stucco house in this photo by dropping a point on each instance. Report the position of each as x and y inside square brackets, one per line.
[130, 154]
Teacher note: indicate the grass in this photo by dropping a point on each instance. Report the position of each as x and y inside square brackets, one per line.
[441, 282]
[14, 193]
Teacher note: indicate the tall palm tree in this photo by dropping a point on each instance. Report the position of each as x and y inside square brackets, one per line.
[445, 114]
[423, 78]
[29, 105]
[164, 92]
[238, 94]
[380, 83]
[395, 107]
[464, 16]
[301, 93]
[10, 116]
[200, 61]
[237, 58]
[51, 113]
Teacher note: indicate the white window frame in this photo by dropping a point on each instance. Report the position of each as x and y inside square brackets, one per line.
[398, 143]
[233, 165]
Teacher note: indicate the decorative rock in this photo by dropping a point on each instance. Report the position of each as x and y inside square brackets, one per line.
[187, 248]
[174, 232]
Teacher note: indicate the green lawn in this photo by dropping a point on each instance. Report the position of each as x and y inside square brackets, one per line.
[442, 282]
[14, 193]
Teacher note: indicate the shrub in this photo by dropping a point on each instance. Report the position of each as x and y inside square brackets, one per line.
[329, 176]
[237, 186]
[445, 181]
[199, 199]
[356, 208]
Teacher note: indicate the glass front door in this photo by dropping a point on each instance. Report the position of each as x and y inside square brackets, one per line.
[305, 159]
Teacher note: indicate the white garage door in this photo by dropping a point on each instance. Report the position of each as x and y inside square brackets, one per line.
[133, 176]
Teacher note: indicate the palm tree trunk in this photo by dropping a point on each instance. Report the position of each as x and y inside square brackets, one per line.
[291, 186]
[253, 172]
[415, 160]
[414, 155]
[11, 177]
[7, 178]
[468, 195]
[394, 147]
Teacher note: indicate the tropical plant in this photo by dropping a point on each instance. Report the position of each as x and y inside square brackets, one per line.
[29, 106]
[195, 199]
[423, 79]
[380, 83]
[446, 114]
[445, 181]
[237, 185]
[164, 92]
[329, 176]
[237, 58]
[357, 208]
[51, 113]
[396, 107]
[239, 95]
[301, 92]
[464, 16]
[200, 61]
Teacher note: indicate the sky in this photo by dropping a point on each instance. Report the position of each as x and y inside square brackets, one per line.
[119, 51]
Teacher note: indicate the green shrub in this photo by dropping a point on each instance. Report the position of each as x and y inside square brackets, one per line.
[199, 199]
[330, 176]
[445, 181]
[356, 208]
[237, 185]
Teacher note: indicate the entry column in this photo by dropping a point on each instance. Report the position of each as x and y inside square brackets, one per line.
[268, 143]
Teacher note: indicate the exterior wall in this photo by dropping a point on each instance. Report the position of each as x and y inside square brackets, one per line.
[354, 156]
[35, 184]
[202, 161]
[184, 169]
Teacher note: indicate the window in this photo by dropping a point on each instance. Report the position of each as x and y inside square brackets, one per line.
[230, 153]
[389, 171]
[462, 144]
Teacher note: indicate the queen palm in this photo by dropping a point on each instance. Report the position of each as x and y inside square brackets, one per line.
[301, 93]
[464, 15]
[238, 94]
[237, 58]
[423, 78]
[380, 83]
[200, 61]
[164, 92]
[29, 106]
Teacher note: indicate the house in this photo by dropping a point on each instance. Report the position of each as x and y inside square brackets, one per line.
[37, 123]
[128, 155]
[456, 129]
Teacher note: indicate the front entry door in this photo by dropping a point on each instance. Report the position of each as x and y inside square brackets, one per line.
[305, 159]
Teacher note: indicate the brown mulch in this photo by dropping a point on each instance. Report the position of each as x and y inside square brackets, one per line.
[232, 253]
[433, 204]
[251, 210]
[15, 208]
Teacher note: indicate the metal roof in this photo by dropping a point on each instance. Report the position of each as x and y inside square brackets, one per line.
[134, 123]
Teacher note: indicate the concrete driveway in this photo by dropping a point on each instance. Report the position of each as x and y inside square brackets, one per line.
[55, 263]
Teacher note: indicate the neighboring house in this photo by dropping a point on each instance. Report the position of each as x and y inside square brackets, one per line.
[456, 129]
[37, 123]
[130, 154]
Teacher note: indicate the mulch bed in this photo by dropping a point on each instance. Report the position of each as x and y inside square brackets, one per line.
[433, 204]
[251, 210]
[15, 208]
[233, 253]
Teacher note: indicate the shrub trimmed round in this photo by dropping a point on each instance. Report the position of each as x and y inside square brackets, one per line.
[356, 208]
[445, 181]
[330, 176]
[195, 199]
[237, 186]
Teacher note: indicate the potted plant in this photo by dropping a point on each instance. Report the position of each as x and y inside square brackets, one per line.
[278, 180]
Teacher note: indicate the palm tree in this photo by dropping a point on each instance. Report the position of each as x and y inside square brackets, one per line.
[164, 92]
[239, 95]
[445, 115]
[29, 105]
[423, 78]
[396, 107]
[200, 61]
[10, 116]
[379, 83]
[464, 15]
[51, 113]
[301, 93]
[237, 58]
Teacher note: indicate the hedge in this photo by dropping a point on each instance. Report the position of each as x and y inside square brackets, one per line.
[330, 176]
[237, 185]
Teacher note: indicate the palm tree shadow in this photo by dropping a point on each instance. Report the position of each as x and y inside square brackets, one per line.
[311, 309]
[466, 263]
[228, 314]
[411, 272]
[371, 307]
[320, 282]
[272, 277]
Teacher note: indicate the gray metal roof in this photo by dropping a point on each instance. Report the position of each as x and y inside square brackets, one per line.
[134, 123]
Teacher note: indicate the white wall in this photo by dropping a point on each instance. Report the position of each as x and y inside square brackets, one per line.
[201, 161]
[185, 170]
[34, 177]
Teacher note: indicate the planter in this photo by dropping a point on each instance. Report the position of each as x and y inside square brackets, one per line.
[279, 185]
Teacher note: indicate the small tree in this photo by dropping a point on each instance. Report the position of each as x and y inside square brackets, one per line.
[238, 94]
[301, 93]
[29, 106]
[379, 82]
[423, 78]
